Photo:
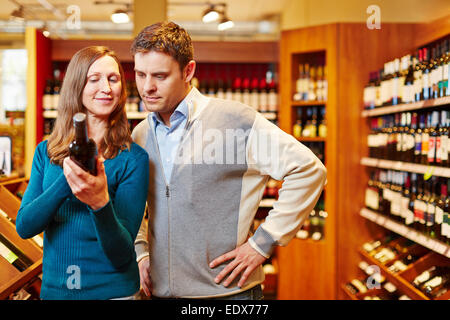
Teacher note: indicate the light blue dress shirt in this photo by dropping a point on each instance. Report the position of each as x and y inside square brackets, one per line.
[169, 138]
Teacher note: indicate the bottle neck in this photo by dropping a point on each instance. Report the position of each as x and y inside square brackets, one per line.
[81, 131]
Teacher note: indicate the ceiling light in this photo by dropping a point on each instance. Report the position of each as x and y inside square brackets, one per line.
[18, 14]
[211, 14]
[120, 16]
[225, 24]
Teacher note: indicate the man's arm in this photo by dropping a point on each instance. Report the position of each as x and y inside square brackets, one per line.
[304, 178]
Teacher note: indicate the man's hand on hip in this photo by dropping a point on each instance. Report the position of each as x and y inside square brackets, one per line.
[245, 261]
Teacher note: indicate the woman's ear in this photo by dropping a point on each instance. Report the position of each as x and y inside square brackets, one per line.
[189, 71]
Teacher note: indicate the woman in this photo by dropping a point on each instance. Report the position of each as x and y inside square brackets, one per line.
[90, 222]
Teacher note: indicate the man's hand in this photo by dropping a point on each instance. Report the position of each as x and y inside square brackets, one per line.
[246, 260]
[144, 275]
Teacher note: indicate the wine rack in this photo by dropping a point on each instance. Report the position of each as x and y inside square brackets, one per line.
[395, 159]
[11, 279]
[402, 280]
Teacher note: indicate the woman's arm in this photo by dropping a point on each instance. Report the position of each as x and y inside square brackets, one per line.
[39, 206]
[117, 223]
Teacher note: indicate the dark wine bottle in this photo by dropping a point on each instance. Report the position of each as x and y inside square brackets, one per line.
[13, 255]
[83, 151]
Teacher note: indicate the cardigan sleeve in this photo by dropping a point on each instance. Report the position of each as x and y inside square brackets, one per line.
[277, 154]
[39, 206]
[118, 222]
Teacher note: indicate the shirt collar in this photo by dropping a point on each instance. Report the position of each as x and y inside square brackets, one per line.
[181, 111]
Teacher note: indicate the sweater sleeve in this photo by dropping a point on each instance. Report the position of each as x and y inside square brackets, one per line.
[118, 222]
[275, 153]
[39, 206]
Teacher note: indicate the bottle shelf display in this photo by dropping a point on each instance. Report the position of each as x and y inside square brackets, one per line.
[406, 107]
[395, 268]
[253, 84]
[20, 260]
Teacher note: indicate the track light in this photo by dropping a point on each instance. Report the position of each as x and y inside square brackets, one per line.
[120, 16]
[225, 24]
[18, 14]
[211, 14]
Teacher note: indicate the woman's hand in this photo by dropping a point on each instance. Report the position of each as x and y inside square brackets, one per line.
[89, 189]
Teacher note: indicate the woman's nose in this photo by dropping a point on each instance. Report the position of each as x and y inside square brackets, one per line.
[106, 87]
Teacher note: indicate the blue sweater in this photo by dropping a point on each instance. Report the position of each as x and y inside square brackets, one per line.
[87, 254]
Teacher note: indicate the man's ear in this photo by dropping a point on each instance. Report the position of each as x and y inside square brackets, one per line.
[189, 71]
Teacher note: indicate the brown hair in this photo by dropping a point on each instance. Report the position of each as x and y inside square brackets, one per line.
[117, 136]
[166, 37]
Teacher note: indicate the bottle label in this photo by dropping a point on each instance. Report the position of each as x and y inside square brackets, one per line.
[409, 217]
[425, 81]
[438, 150]
[425, 138]
[439, 74]
[7, 254]
[439, 215]
[444, 147]
[396, 203]
[431, 149]
[431, 214]
[372, 199]
[418, 140]
[404, 207]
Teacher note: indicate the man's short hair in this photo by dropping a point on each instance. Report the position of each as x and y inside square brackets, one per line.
[166, 37]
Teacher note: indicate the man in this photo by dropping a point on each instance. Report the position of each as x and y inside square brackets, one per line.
[209, 162]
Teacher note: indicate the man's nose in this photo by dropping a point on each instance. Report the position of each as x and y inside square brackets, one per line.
[149, 85]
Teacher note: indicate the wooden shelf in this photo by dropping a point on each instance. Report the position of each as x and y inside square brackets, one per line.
[401, 229]
[315, 139]
[307, 103]
[406, 166]
[401, 284]
[348, 293]
[407, 107]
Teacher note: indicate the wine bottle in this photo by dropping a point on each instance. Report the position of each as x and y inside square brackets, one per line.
[82, 150]
[429, 274]
[13, 255]
[418, 75]
[47, 99]
[439, 227]
[437, 285]
[443, 142]
[426, 75]
[431, 209]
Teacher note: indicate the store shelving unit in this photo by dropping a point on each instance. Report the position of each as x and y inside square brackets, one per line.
[11, 279]
[439, 252]
[409, 233]
[319, 270]
[406, 166]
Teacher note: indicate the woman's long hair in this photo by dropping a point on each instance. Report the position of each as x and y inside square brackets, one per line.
[117, 135]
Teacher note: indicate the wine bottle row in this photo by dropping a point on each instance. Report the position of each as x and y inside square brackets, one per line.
[312, 84]
[417, 137]
[259, 93]
[310, 123]
[418, 201]
[314, 225]
[411, 78]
